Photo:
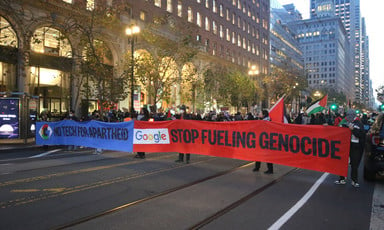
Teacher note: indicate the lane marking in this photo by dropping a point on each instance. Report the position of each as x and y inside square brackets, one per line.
[56, 190]
[46, 153]
[280, 222]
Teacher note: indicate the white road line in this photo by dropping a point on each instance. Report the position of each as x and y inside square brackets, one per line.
[46, 153]
[280, 222]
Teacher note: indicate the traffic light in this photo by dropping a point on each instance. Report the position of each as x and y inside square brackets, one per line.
[357, 111]
[382, 107]
[334, 107]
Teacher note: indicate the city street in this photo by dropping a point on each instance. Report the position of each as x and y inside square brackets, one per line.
[58, 189]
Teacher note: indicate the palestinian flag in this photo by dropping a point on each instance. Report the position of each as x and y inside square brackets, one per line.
[317, 106]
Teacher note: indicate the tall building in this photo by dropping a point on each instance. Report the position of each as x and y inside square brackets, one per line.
[367, 89]
[327, 59]
[349, 13]
[285, 49]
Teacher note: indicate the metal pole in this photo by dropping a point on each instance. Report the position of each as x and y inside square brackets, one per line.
[132, 75]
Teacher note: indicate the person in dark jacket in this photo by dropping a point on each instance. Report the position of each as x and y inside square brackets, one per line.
[144, 116]
[71, 116]
[357, 145]
[265, 117]
[184, 115]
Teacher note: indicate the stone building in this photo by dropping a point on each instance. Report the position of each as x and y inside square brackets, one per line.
[42, 51]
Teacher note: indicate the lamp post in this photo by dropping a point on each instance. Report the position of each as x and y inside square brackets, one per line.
[297, 100]
[253, 72]
[131, 32]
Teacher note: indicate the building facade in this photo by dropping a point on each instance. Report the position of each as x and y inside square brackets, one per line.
[349, 13]
[368, 94]
[42, 50]
[285, 49]
[327, 59]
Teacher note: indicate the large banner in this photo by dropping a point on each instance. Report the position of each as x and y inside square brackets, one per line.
[94, 134]
[314, 147]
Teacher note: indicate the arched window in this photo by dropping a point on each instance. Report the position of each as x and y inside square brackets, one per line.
[8, 45]
[50, 41]
[7, 34]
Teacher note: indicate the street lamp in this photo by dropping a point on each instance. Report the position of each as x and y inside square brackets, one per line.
[252, 73]
[131, 32]
[317, 94]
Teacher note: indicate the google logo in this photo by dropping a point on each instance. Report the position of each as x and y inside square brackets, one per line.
[151, 136]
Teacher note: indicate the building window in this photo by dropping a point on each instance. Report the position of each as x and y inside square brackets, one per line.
[214, 27]
[221, 9]
[228, 14]
[7, 34]
[90, 5]
[169, 6]
[228, 35]
[207, 3]
[158, 3]
[51, 42]
[221, 31]
[198, 19]
[190, 14]
[198, 38]
[179, 9]
[233, 38]
[233, 19]
[143, 15]
[214, 6]
[207, 27]
[207, 43]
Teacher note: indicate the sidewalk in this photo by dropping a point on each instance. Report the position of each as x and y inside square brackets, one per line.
[11, 144]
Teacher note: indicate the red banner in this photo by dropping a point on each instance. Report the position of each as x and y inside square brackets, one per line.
[314, 147]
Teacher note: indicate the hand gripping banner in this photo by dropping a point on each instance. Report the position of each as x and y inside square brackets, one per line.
[314, 147]
[95, 134]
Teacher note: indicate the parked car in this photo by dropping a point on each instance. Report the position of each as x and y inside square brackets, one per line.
[374, 150]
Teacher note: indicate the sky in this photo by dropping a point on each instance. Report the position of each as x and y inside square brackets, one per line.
[371, 10]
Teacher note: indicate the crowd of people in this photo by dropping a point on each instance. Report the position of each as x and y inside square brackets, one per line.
[359, 125]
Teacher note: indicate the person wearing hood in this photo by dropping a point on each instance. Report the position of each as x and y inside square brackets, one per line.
[352, 122]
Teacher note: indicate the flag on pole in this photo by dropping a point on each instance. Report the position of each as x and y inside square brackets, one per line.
[317, 106]
[277, 112]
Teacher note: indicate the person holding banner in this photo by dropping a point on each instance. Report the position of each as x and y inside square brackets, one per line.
[265, 117]
[183, 115]
[144, 116]
[356, 146]
[71, 116]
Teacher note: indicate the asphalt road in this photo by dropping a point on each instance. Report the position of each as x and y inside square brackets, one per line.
[55, 189]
